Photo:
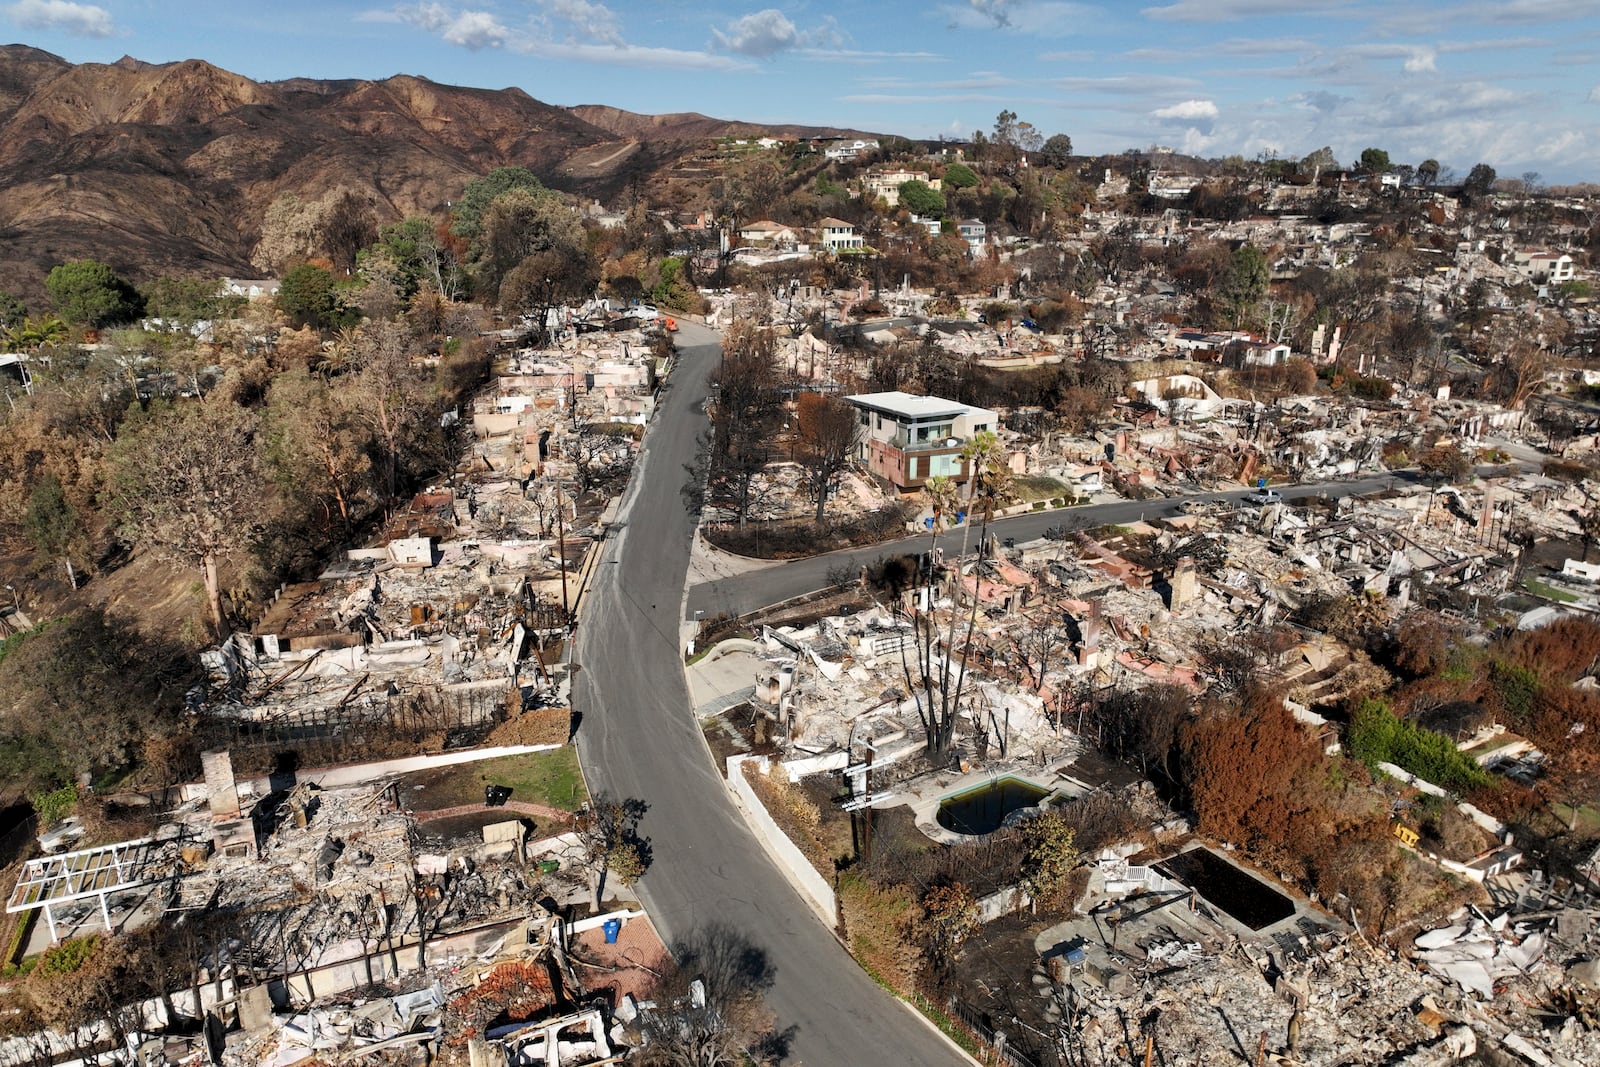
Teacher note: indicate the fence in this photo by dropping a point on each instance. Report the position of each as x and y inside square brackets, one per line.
[977, 1022]
[427, 719]
[17, 843]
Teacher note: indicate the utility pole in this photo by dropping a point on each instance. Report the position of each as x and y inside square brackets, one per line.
[561, 555]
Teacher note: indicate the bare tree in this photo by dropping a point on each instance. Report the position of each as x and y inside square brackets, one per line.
[743, 415]
[391, 392]
[314, 443]
[709, 1009]
[186, 486]
[829, 427]
[1037, 641]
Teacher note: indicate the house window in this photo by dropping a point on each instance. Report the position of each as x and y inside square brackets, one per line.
[911, 469]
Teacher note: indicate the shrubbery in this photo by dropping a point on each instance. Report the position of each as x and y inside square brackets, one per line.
[1377, 735]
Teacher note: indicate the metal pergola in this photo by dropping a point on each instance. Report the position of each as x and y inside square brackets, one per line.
[87, 874]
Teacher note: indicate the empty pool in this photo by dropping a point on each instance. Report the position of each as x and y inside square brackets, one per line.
[1246, 898]
[983, 810]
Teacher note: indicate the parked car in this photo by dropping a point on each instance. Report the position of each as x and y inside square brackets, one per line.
[1264, 497]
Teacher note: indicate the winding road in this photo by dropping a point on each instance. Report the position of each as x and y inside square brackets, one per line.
[637, 738]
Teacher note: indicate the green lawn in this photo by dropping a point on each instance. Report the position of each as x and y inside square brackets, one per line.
[549, 778]
[1031, 487]
[1538, 588]
[1588, 818]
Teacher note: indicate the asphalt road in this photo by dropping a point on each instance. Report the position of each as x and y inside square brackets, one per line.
[744, 593]
[637, 738]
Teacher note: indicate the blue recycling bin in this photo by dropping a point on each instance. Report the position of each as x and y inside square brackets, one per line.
[612, 927]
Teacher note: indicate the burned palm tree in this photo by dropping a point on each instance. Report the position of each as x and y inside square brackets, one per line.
[938, 677]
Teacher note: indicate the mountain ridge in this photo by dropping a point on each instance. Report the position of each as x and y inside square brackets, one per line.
[169, 168]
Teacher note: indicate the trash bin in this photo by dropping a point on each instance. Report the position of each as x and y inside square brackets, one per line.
[612, 927]
[549, 866]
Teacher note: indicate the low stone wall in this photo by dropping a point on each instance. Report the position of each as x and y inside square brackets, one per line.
[804, 877]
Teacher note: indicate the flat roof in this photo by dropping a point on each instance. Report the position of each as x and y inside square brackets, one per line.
[908, 406]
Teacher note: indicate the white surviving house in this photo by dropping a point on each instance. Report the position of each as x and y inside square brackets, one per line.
[839, 235]
[886, 184]
[907, 439]
[250, 288]
[1543, 268]
[844, 150]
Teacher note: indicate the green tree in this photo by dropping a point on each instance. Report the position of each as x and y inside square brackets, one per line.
[89, 293]
[1051, 856]
[960, 176]
[188, 300]
[1243, 284]
[921, 198]
[307, 295]
[609, 830]
[524, 223]
[54, 526]
[425, 256]
[481, 192]
[1057, 151]
[1428, 171]
[672, 288]
[1479, 180]
[186, 487]
[1375, 161]
[12, 311]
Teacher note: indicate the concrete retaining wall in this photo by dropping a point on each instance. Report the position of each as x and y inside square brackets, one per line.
[790, 860]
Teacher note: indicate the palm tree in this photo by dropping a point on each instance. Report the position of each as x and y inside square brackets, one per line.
[938, 683]
[30, 335]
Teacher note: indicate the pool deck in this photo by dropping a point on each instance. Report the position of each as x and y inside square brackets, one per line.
[925, 794]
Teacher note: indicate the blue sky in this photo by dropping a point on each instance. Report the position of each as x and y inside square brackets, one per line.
[1515, 83]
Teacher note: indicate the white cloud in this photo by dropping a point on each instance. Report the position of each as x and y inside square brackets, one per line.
[997, 12]
[766, 33]
[80, 20]
[760, 34]
[1029, 18]
[474, 30]
[1187, 111]
[848, 55]
[1229, 10]
[632, 55]
[478, 30]
[1420, 61]
[1594, 95]
[1535, 10]
[589, 21]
